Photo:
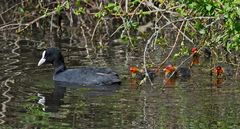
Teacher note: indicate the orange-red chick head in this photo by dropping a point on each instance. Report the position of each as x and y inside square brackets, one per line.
[194, 50]
[218, 70]
[169, 69]
[134, 69]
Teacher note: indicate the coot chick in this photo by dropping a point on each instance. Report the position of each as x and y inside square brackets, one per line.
[85, 76]
[219, 71]
[195, 51]
[195, 57]
[140, 73]
[206, 52]
[173, 72]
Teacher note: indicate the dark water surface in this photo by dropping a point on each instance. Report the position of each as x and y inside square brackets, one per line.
[30, 99]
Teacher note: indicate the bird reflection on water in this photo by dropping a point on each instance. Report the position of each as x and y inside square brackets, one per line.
[52, 101]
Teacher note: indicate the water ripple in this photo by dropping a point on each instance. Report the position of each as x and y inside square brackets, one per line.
[9, 97]
[10, 67]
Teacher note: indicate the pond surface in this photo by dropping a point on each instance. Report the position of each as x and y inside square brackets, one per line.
[30, 99]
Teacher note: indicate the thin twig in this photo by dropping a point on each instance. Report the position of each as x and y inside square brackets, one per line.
[94, 30]
[144, 57]
[170, 53]
[120, 27]
[179, 30]
[51, 23]
[10, 8]
[184, 19]
[33, 21]
[86, 43]
[174, 45]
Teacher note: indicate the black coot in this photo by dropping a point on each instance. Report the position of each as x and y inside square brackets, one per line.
[85, 76]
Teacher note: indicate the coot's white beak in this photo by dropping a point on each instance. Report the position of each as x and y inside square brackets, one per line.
[42, 60]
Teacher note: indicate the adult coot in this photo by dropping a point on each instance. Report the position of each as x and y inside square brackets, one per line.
[86, 76]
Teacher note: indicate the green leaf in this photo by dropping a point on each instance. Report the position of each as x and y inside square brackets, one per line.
[176, 55]
[79, 11]
[100, 14]
[193, 5]
[77, 3]
[67, 5]
[20, 9]
[209, 7]
[236, 1]
[202, 31]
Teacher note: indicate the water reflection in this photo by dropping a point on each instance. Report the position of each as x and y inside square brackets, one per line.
[217, 82]
[9, 73]
[169, 82]
[52, 101]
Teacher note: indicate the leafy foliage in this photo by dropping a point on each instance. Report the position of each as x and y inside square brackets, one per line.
[217, 22]
[227, 12]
